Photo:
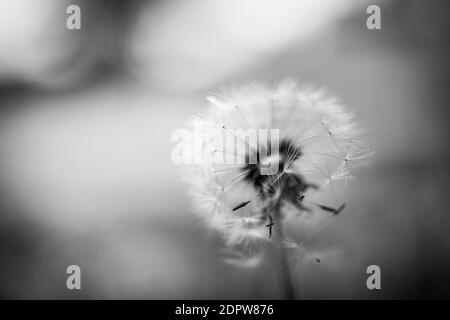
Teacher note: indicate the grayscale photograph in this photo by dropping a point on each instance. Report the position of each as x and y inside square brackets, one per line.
[253, 150]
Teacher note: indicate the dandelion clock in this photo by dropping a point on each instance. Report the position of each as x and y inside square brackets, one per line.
[261, 157]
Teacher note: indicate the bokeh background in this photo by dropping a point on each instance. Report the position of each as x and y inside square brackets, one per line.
[85, 141]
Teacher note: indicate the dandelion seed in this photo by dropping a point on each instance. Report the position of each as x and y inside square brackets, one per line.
[318, 143]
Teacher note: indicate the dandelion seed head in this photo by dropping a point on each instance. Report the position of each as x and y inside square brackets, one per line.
[318, 144]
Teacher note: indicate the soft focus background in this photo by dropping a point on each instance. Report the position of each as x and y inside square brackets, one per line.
[86, 119]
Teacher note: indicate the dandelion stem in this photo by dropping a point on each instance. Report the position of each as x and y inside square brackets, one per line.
[283, 266]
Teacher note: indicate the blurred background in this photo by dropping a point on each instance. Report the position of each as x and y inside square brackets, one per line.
[86, 118]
